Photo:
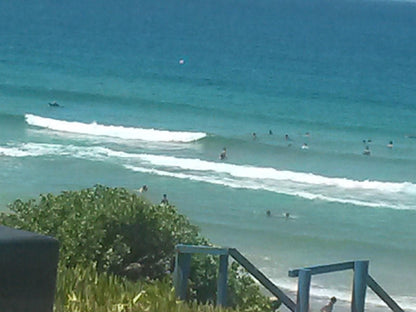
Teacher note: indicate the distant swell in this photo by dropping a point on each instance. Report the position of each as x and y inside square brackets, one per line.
[121, 132]
[305, 185]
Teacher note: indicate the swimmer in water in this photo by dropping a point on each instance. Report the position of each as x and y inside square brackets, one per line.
[390, 145]
[223, 154]
[367, 151]
[305, 146]
[165, 200]
[143, 189]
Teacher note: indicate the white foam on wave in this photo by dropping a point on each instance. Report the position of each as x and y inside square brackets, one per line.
[304, 185]
[252, 172]
[16, 152]
[129, 133]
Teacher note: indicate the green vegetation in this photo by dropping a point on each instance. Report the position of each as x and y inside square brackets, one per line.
[84, 290]
[110, 238]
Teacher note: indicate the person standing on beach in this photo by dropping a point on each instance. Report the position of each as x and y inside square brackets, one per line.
[330, 306]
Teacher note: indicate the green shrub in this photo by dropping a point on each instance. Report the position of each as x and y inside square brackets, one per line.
[121, 233]
[110, 227]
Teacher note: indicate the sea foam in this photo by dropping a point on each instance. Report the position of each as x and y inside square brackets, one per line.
[396, 195]
[306, 185]
[129, 133]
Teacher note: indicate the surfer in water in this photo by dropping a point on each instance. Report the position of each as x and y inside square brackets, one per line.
[54, 104]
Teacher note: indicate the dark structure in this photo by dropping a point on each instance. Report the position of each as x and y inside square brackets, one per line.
[28, 264]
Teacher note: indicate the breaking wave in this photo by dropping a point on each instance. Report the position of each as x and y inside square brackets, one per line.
[129, 133]
[396, 195]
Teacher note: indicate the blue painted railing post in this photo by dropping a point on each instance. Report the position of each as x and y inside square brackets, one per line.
[359, 286]
[181, 274]
[304, 283]
[222, 281]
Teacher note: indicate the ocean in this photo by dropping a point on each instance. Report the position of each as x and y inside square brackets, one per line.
[150, 92]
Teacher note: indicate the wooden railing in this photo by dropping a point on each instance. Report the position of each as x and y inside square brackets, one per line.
[360, 282]
[304, 275]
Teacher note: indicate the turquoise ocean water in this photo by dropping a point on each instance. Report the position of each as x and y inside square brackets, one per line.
[152, 91]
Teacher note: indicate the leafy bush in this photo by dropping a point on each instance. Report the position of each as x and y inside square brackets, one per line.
[111, 227]
[121, 233]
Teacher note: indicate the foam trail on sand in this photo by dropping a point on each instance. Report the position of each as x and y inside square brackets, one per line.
[121, 132]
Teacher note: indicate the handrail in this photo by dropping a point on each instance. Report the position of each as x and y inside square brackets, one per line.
[361, 278]
[182, 269]
[320, 269]
[201, 249]
[262, 279]
[383, 295]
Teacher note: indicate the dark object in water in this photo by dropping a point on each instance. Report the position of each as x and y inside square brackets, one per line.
[54, 104]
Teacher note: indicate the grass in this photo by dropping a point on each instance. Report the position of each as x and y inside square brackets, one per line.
[85, 290]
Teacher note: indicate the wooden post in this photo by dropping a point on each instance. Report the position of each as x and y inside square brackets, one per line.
[181, 274]
[222, 281]
[304, 283]
[359, 286]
